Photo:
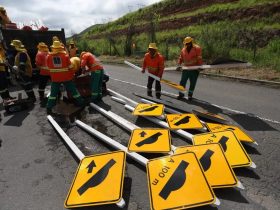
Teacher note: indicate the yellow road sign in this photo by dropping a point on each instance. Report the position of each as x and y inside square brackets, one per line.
[173, 84]
[214, 163]
[183, 121]
[177, 182]
[98, 180]
[148, 109]
[234, 151]
[239, 133]
[150, 140]
[210, 116]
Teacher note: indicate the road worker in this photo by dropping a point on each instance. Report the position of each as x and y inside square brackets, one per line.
[191, 55]
[41, 63]
[59, 65]
[90, 63]
[154, 62]
[24, 67]
[73, 50]
[4, 92]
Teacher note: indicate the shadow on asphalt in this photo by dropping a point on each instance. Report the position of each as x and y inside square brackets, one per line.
[251, 150]
[246, 172]
[251, 122]
[17, 118]
[230, 194]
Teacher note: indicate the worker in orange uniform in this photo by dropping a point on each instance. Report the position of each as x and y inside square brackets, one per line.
[4, 92]
[73, 50]
[154, 62]
[191, 55]
[59, 65]
[93, 65]
[41, 62]
[23, 63]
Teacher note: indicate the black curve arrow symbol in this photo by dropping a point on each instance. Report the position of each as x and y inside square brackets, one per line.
[205, 160]
[184, 120]
[223, 142]
[150, 140]
[148, 109]
[97, 178]
[176, 181]
[91, 166]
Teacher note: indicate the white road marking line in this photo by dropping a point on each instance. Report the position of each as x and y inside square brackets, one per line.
[221, 107]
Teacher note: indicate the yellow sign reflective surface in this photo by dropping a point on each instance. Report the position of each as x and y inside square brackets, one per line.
[239, 133]
[148, 109]
[214, 163]
[183, 121]
[177, 182]
[173, 85]
[98, 180]
[234, 151]
[150, 140]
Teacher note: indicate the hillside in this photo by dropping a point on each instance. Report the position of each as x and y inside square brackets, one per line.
[244, 29]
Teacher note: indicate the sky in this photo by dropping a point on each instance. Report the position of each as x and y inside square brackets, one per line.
[72, 15]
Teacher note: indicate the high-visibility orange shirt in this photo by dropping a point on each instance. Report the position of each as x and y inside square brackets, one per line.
[91, 62]
[154, 65]
[59, 66]
[192, 58]
[41, 62]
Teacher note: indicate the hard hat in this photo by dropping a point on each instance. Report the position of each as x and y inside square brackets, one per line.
[16, 43]
[71, 42]
[57, 45]
[152, 46]
[42, 45]
[20, 48]
[187, 40]
[55, 38]
[76, 62]
[2, 9]
[82, 53]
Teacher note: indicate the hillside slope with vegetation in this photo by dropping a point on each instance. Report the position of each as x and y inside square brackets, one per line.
[239, 29]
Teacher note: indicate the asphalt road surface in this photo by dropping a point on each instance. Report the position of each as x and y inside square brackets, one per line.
[37, 168]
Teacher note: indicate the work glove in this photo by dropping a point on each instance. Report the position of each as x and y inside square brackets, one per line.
[179, 68]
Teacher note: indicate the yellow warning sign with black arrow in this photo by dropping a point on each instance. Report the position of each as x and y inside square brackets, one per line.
[173, 85]
[150, 140]
[214, 163]
[239, 133]
[183, 121]
[149, 110]
[177, 182]
[98, 180]
[234, 151]
[210, 116]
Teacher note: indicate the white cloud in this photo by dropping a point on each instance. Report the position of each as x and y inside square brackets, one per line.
[73, 16]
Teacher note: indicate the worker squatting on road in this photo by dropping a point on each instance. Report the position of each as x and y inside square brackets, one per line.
[23, 63]
[93, 65]
[154, 62]
[4, 92]
[41, 63]
[59, 65]
[191, 55]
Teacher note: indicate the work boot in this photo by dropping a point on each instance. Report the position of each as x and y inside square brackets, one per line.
[190, 96]
[31, 96]
[41, 95]
[149, 93]
[180, 96]
[49, 111]
[158, 95]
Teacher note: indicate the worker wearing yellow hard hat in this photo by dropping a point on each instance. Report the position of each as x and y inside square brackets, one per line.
[41, 64]
[190, 55]
[23, 63]
[154, 63]
[73, 50]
